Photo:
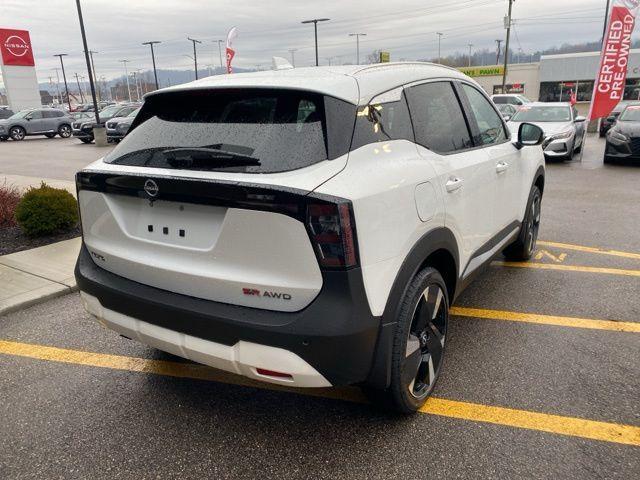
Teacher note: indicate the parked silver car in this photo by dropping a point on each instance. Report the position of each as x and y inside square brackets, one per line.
[37, 121]
[563, 128]
[118, 127]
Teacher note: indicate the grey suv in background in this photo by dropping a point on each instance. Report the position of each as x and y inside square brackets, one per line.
[83, 129]
[38, 121]
[118, 127]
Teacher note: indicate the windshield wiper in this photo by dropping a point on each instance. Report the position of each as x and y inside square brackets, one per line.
[194, 157]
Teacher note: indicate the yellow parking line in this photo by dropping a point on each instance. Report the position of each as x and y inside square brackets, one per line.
[569, 268]
[571, 426]
[582, 248]
[633, 327]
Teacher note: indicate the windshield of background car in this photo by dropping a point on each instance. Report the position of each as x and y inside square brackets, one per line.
[110, 111]
[542, 114]
[134, 113]
[630, 114]
[249, 130]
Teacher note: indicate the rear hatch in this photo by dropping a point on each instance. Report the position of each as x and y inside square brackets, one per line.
[209, 195]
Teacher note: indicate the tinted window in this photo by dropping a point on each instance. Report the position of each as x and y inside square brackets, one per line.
[35, 115]
[253, 131]
[490, 126]
[498, 100]
[437, 117]
[52, 113]
[381, 122]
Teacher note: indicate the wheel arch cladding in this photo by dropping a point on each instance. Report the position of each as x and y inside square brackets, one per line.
[539, 179]
[438, 249]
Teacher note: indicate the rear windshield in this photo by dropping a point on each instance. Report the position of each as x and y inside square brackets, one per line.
[249, 130]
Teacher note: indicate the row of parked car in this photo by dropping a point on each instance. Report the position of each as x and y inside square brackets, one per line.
[54, 121]
[564, 128]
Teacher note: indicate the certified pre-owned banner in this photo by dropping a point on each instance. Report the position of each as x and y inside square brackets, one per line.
[609, 85]
[231, 36]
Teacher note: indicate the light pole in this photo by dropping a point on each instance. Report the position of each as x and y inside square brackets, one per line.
[498, 41]
[470, 47]
[315, 31]
[64, 77]
[86, 57]
[95, 77]
[126, 74]
[293, 51]
[357, 35]
[506, 46]
[220, 42]
[439, 41]
[58, 85]
[135, 81]
[153, 59]
[195, 54]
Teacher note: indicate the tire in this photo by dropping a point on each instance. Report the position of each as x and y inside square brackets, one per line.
[17, 133]
[50, 135]
[418, 344]
[524, 246]
[86, 140]
[4, 139]
[64, 130]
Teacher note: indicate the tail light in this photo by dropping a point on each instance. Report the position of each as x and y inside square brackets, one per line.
[333, 234]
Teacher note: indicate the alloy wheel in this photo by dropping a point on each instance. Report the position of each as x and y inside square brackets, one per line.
[65, 131]
[425, 343]
[533, 223]
[17, 133]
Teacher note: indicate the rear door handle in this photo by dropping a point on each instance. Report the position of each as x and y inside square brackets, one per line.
[501, 167]
[454, 184]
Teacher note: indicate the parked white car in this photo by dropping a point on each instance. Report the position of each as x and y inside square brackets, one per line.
[307, 227]
[564, 129]
[510, 99]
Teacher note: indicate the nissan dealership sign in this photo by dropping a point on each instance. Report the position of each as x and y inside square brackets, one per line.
[18, 69]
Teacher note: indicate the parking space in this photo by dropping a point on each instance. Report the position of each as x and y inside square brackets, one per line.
[541, 377]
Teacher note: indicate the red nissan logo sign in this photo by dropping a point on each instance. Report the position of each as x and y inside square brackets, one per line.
[15, 48]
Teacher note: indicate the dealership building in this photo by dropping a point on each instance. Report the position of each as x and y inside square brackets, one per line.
[555, 77]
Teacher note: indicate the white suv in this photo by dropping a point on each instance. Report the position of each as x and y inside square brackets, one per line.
[307, 227]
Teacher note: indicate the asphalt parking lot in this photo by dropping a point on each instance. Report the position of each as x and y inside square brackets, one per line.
[541, 378]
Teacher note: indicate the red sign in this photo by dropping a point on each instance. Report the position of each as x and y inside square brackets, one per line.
[612, 74]
[230, 54]
[15, 46]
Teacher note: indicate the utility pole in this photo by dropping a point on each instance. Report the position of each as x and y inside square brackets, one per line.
[79, 89]
[315, 30]
[357, 35]
[153, 59]
[86, 57]
[506, 46]
[499, 42]
[606, 21]
[93, 69]
[439, 40]
[220, 42]
[64, 77]
[195, 54]
[58, 85]
[470, 47]
[293, 51]
[135, 81]
[126, 74]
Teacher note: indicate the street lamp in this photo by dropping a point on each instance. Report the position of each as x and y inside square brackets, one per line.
[64, 77]
[315, 30]
[153, 59]
[195, 54]
[357, 35]
[126, 74]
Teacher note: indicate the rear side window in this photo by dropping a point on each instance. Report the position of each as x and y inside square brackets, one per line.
[249, 130]
[380, 122]
[437, 117]
[490, 126]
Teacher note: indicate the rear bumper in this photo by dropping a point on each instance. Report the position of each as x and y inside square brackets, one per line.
[335, 336]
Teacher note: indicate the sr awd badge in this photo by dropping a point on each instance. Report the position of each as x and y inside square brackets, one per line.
[257, 293]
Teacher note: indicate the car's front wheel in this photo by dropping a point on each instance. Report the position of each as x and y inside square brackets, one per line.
[419, 342]
[64, 131]
[524, 246]
[17, 133]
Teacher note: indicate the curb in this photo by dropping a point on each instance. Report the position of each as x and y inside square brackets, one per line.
[63, 290]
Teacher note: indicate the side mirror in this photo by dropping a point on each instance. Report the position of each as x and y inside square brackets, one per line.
[611, 119]
[506, 116]
[529, 135]
[580, 119]
[28, 118]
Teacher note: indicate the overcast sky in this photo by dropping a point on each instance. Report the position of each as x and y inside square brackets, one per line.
[406, 28]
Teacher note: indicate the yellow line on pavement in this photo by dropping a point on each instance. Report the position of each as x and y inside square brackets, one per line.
[633, 327]
[582, 248]
[577, 427]
[569, 268]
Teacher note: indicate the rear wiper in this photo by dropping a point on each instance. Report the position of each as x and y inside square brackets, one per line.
[197, 156]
